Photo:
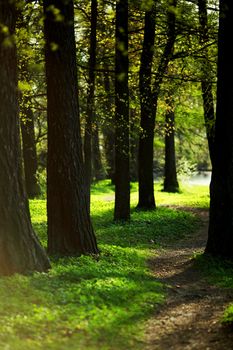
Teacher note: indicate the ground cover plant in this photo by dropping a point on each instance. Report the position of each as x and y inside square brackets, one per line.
[96, 302]
[220, 273]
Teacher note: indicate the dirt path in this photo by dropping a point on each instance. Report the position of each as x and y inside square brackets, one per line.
[190, 318]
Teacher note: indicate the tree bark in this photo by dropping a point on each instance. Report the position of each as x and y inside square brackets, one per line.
[206, 85]
[20, 250]
[98, 171]
[170, 174]
[149, 99]
[134, 136]
[122, 176]
[90, 101]
[108, 129]
[26, 113]
[29, 148]
[147, 123]
[220, 234]
[70, 231]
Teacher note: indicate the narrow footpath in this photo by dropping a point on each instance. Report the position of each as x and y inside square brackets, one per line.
[190, 317]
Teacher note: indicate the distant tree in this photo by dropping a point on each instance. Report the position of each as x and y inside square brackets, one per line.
[108, 129]
[148, 110]
[69, 226]
[122, 172]
[220, 235]
[149, 94]
[170, 174]
[90, 100]
[97, 165]
[20, 250]
[206, 80]
[29, 148]
[26, 105]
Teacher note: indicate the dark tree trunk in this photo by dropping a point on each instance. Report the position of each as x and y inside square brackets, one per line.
[108, 130]
[27, 119]
[20, 251]
[29, 148]
[220, 235]
[206, 85]
[170, 174]
[98, 171]
[70, 230]
[90, 102]
[133, 147]
[148, 110]
[148, 99]
[122, 176]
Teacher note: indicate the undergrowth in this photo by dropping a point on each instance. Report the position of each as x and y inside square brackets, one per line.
[102, 302]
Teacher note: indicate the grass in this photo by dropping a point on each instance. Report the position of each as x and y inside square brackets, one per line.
[102, 303]
[220, 273]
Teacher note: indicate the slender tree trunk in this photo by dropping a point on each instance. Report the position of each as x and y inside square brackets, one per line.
[98, 171]
[70, 230]
[170, 174]
[26, 115]
[149, 99]
[133, 147]
[108, 130]
[206, 85]
[29, 148]
[220, 235]
[20, 251]
[90, 102]
[122, 176]
[148, 110]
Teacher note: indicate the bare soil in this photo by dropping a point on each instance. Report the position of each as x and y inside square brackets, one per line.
[191, 315]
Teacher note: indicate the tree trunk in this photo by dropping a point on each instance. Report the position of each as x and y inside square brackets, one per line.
[122, 176]
[20, 251]
[90, 102]
[170, 174]
[26, 113]
[206, 85]
[133, 147]
[70, 230]
[29, 148]
[148, 110]
[149, 99]
[108, 130]
[220, 235]
[98, 171]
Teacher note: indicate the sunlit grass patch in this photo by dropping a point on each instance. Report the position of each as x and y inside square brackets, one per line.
[93, 303]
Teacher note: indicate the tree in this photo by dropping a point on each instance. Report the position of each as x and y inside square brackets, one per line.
[20, 250]
[26, 111]
[90, 100]
[170, 174]
[206, 81]
[122, 173]
[149, 100]
[69, 226]
[220, 234]
[108, 130]
[148, 110]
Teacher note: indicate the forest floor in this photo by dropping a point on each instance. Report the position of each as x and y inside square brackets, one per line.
[191, 316]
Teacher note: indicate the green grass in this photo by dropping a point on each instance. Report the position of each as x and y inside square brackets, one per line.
[218, 273]
[96, 303]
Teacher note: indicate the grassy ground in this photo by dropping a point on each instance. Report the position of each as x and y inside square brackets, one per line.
[87, 303]
[218, 273]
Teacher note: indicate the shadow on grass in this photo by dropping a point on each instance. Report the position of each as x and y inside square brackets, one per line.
[84, 300]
